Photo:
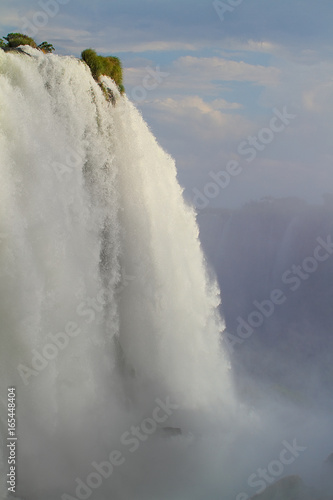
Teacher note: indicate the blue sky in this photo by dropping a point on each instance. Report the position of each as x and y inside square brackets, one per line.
[221, 75]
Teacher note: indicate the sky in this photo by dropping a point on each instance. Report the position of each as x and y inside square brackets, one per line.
[238, 92]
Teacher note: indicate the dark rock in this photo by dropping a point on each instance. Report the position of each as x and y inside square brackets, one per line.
[326, 476]
[287, 488]
[329, 459]
[15, 49]
[172, 431]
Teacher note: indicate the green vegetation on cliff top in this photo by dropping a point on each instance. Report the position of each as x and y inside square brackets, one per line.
[108, 66]
[16, 39]
[99, 65]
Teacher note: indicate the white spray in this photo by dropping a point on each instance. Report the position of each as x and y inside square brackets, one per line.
[105, 303]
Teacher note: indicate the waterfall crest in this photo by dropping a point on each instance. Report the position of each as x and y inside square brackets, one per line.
[105, 301]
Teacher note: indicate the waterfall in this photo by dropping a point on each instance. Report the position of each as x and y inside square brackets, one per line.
[106, 308]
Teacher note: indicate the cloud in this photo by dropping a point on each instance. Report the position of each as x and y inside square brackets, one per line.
[224, 77]
[285, 22]
[320, 98]
[157, 45]
[190, 75]
[199, 134]
[223, 104]
[10, 18]
[197, 103]
[188, 24]
[199, 69]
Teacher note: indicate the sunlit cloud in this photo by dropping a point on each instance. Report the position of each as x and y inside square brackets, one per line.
[216, 68]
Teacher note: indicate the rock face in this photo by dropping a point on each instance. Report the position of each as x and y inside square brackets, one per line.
[172, 431]
[15, 49]
[293, 488]
[329, 460]
[287, 488]
[326, 477]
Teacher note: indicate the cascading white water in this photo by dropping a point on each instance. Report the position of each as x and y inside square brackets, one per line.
[105, 303]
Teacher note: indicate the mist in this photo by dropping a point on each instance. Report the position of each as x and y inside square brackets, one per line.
[126, 386]
[273, 261]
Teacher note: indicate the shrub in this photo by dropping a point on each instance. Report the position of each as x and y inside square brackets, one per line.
[46, 47]
[121, 88]
[109, 66]
[113, 69]
[16, 39]
[94, 62]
